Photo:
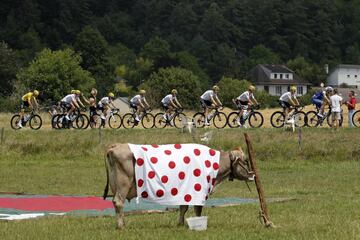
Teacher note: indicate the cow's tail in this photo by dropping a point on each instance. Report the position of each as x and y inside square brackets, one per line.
[106, 190]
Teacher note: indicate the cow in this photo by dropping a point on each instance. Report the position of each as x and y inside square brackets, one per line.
[120, 172]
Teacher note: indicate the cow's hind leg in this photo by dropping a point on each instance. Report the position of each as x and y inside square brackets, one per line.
[119, 202]
[183, 210]
[198, 210]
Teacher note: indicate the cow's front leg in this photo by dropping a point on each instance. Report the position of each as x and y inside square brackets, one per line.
[183, 210]
[198, 210]
[118, 202]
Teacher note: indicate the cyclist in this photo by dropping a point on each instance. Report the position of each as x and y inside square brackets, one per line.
[210, 99]
[103, 106]
[91, 102]
[287, 100]
[27, 102]
[321, 99]
[71, 102]
[245, 101]
[169, 102]
[139, 104]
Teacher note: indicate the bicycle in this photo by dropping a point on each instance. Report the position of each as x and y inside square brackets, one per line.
[356, 118]
[146, 119]
[176, 119]
[115, 120]
[254, 118]
[35, 121]
[298, 117]
[314, 120]
[81, 120]
[218, 118]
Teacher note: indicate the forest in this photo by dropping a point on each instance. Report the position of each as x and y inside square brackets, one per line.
[121, 45]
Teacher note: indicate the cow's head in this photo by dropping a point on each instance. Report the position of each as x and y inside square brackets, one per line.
[239, 166]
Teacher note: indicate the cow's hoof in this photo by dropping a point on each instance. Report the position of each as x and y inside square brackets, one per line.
[120, 226]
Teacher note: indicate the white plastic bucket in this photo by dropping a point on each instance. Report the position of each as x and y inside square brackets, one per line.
[197, 223]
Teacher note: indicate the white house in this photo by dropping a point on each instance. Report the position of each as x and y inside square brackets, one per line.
[277, 79]
[344, 74]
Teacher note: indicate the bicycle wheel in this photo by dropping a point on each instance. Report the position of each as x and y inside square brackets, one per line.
[147, 121]
[159, 120]
[220, 120]
[356, 118]
[256, 119]
[233, 119]
[35, 122]
[129, 121]
[62, 123]
[95, 121]
[199, 120]
[180, 120]
[115, 121]
[277, 119]
[15, 121]
[300, 119]
[54, 120]
[329, 120]
[82, 121]
[312, 119]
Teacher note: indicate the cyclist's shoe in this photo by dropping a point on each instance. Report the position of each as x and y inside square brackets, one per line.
[320, 115]
[207, 123]
[171, 123]
[137, 119]
[19, 124]
[164, 117]
[290, 121]
[103, 117]
[67, 117]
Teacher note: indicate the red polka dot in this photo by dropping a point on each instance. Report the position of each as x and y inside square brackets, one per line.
[208, 178]
[144, 148]
[197, 172]
[187, 198]
[172, 165]
[212, 152]
[159, 193]
[140, 183]
[207, 163]
[144, 194]
[197, 187]
[154, 160]
[213, 181]
[181, 175]
[140, 162]
[151, 174]
[186, 160]
[197, 152]
[167, 152]
[174, 191]
[154, 145]
[216, 166]
[177, 146]
[164, 179]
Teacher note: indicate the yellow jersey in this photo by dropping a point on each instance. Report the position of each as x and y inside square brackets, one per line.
[27, 97]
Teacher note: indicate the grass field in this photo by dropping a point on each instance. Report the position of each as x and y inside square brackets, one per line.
[323, 176]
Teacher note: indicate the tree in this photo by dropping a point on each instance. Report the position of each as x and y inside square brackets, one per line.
[8, 69]
[231, 88]
[160, 83]
[55, 73]
[158, 50]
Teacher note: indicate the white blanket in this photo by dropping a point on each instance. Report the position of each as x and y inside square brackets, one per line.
[175, 174]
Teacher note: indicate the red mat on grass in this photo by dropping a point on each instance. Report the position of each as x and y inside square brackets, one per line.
[55, 203]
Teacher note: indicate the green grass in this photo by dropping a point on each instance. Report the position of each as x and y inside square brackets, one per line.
[323, 176]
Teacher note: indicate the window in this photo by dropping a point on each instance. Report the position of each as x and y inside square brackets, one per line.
[281, 76]
[287, 76]
[266, 89]
[278, 90]
[275, 76]
[299, 90]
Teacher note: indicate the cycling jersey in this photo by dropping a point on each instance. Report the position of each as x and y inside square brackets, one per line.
[319, 95]
[104, 101]
[208, 95]
[167, 99]
[245, 96]
[27, 97]
[136, 99]
[69, 98]
[287, 96]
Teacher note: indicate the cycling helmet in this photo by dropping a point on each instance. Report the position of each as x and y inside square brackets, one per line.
[142, 91]
[36, 93]
[251, 88]
[174, 91]
[77, 92]
[111, 95]
[73, 91]
[215, 88]
[329, 89]
[293, 89]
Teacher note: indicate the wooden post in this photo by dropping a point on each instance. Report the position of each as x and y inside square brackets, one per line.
[2, 135]
[264, 211]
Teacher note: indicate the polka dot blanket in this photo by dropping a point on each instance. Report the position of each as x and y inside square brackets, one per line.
[175, 174]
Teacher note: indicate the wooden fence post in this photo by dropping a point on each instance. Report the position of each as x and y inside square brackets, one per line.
[264, 211]
[2, 135]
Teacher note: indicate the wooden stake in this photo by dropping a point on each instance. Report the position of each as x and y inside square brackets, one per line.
[264, 211]
[2, 135]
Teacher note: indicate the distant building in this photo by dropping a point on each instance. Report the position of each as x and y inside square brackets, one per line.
[277, 79]
[344, 74]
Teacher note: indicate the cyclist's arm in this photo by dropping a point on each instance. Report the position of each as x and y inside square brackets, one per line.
[75, 103]
[218, 101]
[146, 103]
[85, 99]
[255, 101]
[80, 102]
[112, 104]
[296, 101]
[178, 103]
